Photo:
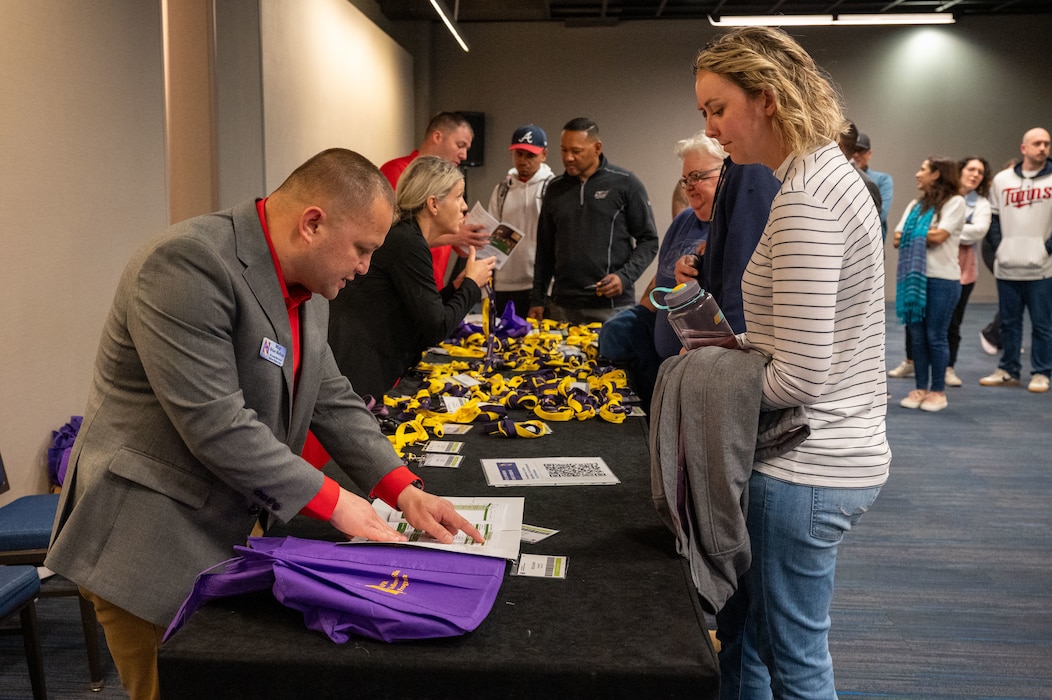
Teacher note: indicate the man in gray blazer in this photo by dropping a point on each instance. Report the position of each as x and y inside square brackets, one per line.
[212, 366]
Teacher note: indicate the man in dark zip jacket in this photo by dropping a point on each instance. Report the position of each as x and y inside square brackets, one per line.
[595, 236]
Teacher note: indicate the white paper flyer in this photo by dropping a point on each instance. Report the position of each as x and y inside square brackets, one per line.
[548, 471]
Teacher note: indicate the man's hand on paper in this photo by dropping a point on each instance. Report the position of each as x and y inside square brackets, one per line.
[354, 516]
[435, 516]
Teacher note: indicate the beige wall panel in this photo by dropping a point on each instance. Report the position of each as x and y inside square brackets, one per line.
[83, 170]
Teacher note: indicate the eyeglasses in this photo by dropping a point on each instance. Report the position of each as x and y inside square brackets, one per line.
[698, 176]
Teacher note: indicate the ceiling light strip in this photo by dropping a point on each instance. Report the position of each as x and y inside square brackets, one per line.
[443, 13]
[899, 18]
[828, 20]
[770, 20]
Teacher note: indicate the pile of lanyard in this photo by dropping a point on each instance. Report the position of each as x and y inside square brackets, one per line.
[551, 371]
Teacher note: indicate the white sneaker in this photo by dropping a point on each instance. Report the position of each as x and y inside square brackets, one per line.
[1038, 383]
[951, 378]
[914, 399]
[988, 347]
[934, 401]
[1001, 378]
[903, 370]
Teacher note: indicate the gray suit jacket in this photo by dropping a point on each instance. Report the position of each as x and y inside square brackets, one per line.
[189, 432]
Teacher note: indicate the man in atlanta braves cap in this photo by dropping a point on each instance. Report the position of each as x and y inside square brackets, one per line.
[529, 138]
[517, 201]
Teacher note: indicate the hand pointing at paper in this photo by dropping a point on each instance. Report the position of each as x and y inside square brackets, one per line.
[435, 516]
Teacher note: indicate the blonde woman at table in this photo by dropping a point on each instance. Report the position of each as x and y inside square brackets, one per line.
[813, 295]
[381, 323]
[928, 280]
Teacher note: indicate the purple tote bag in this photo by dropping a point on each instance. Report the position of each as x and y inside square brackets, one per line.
[383, 592]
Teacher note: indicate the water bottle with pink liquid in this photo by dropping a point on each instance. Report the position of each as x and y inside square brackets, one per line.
[695, 316]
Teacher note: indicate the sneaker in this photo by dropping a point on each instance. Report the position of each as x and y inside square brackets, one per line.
[934, 401]
[1000, 378]
[914, 399]
[903, 370]
[951, 377]
[1038, 383]
[988, 347]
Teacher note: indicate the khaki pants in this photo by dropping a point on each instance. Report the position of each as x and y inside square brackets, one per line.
[133, 644]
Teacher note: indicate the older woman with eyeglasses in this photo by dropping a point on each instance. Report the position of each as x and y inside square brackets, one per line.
[641, 337]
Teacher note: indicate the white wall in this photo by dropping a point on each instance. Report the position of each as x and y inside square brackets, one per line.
[82, 162]
[331, 78]
[972, 87]
[82, 168]
[293, 79]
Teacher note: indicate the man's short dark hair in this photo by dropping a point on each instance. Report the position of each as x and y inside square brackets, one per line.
[447, 123]
[583, 124]
[347, 180]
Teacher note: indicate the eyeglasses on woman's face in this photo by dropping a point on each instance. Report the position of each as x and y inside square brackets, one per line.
[693, 178]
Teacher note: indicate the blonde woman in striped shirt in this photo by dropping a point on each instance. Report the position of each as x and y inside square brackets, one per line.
[814, 304]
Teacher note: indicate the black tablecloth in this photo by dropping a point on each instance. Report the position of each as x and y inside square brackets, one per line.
[624, 623]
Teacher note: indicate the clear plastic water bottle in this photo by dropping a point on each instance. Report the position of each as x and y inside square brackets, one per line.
[695, 316]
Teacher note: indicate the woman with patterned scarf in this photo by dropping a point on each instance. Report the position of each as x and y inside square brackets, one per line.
[928, 282]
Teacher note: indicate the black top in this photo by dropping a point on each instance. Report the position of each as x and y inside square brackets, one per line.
[588, 230]
[382, 321]
[625, 623]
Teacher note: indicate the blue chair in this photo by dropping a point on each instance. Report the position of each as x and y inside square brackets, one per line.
[19, 586]
[25, 532]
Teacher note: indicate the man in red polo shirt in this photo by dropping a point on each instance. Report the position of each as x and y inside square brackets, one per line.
[448, 136]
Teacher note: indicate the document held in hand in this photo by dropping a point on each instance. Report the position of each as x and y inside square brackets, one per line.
[503, 237]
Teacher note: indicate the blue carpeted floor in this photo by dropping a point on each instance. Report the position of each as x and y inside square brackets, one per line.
[944, 590]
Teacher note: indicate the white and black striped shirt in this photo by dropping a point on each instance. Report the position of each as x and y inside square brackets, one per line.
[813, 294]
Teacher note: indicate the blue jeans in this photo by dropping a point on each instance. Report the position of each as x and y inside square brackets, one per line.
[628, 339]
[928, 337]
[1012, 298]
[774, 630]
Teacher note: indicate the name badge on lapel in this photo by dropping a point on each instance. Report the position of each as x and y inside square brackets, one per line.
[272, 351]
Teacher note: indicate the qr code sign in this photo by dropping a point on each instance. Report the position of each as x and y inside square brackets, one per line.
[577, 469]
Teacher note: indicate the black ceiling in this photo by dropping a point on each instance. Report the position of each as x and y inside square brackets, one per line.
[598, 12]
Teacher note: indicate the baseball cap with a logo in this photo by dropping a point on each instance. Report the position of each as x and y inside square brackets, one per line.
[529, 138]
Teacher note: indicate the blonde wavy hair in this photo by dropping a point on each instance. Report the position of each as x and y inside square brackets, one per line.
[426, 176]
[810, 109]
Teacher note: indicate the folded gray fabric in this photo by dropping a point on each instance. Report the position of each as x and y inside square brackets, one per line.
[706, 431]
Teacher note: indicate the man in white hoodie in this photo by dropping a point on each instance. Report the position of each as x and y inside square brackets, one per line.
[1021, 233]
[517, 202]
